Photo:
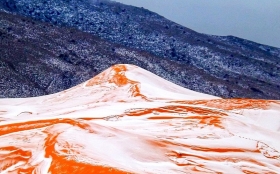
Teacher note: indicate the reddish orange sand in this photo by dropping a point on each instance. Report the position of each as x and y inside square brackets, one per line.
[115, 124]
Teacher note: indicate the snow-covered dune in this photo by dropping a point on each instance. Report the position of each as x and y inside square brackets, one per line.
[128, 120]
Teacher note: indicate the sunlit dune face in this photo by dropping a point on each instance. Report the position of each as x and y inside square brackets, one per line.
[116, 76]
[125, 130]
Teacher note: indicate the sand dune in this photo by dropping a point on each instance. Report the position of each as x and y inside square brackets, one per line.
[128, 120]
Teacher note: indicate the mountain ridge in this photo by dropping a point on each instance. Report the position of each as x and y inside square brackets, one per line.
[223, 66]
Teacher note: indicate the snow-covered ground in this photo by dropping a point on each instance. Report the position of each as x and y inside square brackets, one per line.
[128, 120]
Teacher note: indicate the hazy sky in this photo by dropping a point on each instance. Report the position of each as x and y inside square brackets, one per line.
[256, 20]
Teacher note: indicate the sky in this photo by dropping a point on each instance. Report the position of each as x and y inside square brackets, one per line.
[256, 20]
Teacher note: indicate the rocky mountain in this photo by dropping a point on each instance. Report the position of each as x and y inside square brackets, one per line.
[38, 58]
[128, 120]
[221, 66]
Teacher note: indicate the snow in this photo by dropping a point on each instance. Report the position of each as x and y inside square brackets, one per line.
[128, 120]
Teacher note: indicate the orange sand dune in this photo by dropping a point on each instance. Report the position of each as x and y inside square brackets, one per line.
[128, 120]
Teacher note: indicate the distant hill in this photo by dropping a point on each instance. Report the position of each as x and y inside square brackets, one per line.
[222, 66]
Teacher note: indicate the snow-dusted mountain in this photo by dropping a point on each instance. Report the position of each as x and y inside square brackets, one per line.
[128, 120]
[228, 67]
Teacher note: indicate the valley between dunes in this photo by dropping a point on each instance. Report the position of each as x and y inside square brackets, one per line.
[128, 120]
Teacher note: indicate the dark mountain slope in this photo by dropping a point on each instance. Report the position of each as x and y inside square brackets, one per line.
[38, 58]
[251, 69]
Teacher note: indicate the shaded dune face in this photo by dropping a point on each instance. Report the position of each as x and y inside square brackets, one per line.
[128, 120]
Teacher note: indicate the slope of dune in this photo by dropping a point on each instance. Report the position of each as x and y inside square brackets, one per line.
[128, 120]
